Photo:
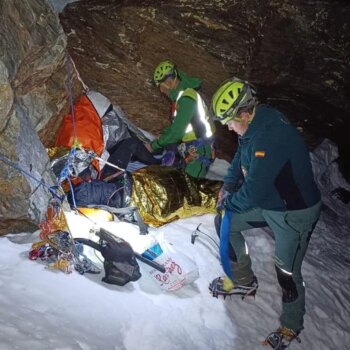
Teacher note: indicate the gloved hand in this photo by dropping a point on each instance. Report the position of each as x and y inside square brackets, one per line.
[231, 187]
[226, 190]
[221, 199]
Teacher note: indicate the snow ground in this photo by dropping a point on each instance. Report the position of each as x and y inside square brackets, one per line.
[45, 309]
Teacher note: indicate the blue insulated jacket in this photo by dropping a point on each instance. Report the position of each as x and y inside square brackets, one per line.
[274, 164]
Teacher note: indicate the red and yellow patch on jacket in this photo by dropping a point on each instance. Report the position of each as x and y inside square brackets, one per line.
[259, 154]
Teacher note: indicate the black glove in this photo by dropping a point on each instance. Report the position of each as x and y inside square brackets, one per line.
[226, 190]
[231, 187]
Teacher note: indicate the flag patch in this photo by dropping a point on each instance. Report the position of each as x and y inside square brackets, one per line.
[260, 154]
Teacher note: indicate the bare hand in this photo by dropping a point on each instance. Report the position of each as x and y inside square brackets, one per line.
[148, 146]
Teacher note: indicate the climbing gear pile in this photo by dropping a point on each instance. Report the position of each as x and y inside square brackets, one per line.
[59, 252]
[57, 248]
[189, 151]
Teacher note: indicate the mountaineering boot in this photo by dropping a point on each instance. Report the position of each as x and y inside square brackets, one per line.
[168, 158]
[281, 338]
[223, 286]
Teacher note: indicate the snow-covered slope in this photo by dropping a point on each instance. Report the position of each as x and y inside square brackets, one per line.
[43, 309]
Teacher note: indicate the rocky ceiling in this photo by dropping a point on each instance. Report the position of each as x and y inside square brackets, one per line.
[295, 52]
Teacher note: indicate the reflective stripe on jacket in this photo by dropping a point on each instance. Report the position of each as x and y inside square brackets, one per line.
[201, 126]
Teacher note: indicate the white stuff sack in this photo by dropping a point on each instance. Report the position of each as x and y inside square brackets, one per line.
[180, 269]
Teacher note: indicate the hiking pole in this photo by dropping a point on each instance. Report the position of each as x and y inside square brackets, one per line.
[108, 163]
[151, 263]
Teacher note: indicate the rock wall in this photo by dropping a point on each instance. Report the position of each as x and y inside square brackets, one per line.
[32, 92]
[296, 52]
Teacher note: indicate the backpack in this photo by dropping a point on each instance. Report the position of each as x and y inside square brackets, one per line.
[98, 193]
[120, 263]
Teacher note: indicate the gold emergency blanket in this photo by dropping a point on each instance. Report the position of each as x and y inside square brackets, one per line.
[164, 194]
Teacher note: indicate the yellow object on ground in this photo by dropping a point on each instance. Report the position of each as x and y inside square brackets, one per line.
[97, 214]
[61, 264]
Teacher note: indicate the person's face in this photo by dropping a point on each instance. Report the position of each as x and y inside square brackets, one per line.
[239, 124]
[167, 85]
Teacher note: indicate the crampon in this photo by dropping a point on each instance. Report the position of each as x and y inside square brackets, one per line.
[281, 339]
[216, 288]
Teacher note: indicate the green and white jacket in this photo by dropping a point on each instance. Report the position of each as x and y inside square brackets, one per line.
[191, 124]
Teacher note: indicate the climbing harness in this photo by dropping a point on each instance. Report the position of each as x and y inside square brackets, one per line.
[188, 151]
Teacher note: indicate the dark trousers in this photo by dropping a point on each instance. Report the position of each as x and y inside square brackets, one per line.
[127, 150]
[292, 231]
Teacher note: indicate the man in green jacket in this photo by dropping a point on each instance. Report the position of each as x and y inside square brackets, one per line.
[192, 130]
[269, 183]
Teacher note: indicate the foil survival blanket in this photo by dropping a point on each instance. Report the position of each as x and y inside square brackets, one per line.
[165, 194]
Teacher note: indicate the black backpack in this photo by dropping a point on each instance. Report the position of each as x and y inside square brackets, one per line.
[97, 192]
[120, 263]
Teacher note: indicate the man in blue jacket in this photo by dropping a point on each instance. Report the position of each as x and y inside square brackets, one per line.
[269, 183]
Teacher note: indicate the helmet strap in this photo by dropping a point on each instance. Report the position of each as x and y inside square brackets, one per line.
[252, 115]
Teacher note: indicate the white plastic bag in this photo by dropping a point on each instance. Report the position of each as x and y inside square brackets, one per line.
[180, 269]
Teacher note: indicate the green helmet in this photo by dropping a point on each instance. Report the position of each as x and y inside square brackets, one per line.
[232, 95]
[163, 71]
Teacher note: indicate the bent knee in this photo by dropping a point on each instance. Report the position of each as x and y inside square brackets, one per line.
[289, 288]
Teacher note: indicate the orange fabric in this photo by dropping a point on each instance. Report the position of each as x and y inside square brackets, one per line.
[88, 128]
[55, 221]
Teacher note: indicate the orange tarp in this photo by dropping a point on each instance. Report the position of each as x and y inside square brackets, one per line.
[88, 128]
